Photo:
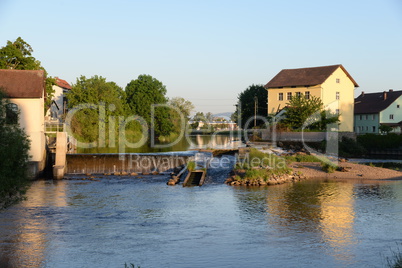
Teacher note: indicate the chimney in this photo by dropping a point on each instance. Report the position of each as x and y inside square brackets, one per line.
[385, 95]
[362, 94]
[391, 90]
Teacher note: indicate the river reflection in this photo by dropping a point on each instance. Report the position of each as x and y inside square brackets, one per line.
[190, 142]
[74, 223]
[26, 229]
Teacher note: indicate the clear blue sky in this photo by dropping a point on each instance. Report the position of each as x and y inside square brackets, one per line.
[209, 51]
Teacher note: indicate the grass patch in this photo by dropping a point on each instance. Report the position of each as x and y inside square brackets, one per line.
[258, 165]
[191, 165]
[329, 168]
[390, 165]
[302, 158]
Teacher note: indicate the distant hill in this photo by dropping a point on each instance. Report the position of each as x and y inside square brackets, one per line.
[224, 115]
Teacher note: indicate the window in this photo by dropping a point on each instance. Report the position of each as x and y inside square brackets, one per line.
[338, 80]
[373, 117]
[307, 95]
[366, 128]
[289, 96]
[298, 94]
[11, 113]
[397, 106]
[373, 128]
[366, 116]
[391, 116]
[360, 117]
[337, 95]
[280, 97]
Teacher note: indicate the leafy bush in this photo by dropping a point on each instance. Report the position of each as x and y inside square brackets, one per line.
[350, 148]
[380, 142]
[14, 147]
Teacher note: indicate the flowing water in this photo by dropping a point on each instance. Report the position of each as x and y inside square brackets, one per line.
[117, 220]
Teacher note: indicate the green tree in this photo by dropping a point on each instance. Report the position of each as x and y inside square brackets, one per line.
[18, 55]
[95, 90]
[144, 92]
[299, 109]
[14, 148]
[185, 107]
[255, 96]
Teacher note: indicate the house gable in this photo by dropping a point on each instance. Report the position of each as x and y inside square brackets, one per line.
[332, 84]
[369, 103]
[304, 77]
[22, 83]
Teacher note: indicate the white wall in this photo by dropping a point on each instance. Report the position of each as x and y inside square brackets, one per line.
[31, 119]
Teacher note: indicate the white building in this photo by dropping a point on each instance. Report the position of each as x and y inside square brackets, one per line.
[26, 91]
[58, 107]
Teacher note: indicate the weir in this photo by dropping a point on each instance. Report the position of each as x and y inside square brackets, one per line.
[135, 162]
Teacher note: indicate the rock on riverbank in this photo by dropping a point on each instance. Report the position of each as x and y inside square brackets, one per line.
[273, 180]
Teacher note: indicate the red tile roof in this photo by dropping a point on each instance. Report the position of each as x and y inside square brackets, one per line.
[62, 83]
[305, 76]
[22, 83]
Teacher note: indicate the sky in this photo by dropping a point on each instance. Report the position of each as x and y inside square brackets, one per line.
[210, 51]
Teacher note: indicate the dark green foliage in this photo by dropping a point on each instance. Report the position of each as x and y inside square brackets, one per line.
[326, 118]
[95, 90]
[17, 55]
[144, 92]
[246, 105]
[351, 148]
[308, 113]
[380, 142]
[14, 147]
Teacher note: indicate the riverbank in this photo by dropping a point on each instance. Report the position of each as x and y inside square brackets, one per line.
[351, 171]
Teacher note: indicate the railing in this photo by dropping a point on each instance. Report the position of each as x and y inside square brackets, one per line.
[54, 127]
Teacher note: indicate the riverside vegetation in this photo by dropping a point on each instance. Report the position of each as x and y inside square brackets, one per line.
[261, 169]
[14, 147]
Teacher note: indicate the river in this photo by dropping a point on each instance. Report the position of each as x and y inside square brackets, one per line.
[187, 142]
[118, 220]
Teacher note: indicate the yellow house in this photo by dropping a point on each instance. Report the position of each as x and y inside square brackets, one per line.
[332, 84]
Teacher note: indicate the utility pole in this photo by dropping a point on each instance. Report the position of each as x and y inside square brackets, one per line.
[255, 110]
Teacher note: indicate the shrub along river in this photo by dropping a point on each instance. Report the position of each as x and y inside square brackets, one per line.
[118, 220]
